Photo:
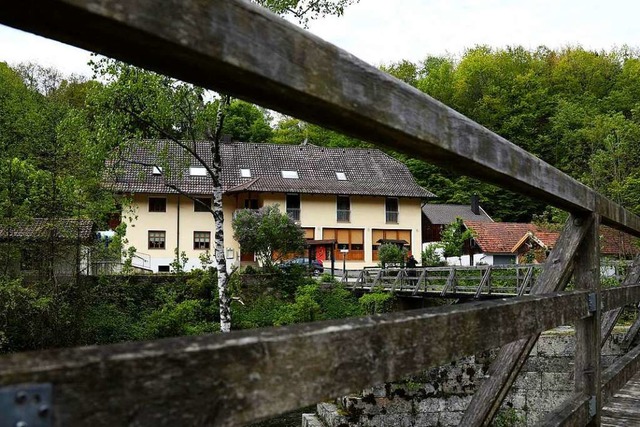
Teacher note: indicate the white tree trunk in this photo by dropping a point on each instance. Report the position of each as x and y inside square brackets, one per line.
[221, 263]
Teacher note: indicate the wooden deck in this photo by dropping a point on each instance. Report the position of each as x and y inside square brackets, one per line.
[623, 409]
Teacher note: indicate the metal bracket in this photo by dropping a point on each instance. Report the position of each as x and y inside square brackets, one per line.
[592, 407]
[26, 405]
[591, 301]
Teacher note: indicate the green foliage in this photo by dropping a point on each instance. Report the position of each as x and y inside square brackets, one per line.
[508, 418]
[454, 236]
[390, 254]
[431, 257]
[268, 233]
[376, 302]
[305, 10]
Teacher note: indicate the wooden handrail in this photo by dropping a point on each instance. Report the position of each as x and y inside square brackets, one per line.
[241, 373]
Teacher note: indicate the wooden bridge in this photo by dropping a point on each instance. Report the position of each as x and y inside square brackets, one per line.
[479, 282]
[233, 379]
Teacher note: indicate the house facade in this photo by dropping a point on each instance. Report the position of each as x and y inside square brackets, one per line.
[435, 217]
[345, 200]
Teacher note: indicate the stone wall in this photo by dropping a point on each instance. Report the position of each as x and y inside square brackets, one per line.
[439, 396]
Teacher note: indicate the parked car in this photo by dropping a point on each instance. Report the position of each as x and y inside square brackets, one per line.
[315, 267]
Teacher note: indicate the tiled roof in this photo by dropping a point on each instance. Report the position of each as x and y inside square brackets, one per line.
[502, 237]
[368, 171]
[614, 242]
[39, 229]
[446, 214]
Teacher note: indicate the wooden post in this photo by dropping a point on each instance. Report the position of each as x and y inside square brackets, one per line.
[587, 359]
[504, 370]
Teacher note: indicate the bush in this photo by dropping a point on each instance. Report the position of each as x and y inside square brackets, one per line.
[376, 302]
[390, 255]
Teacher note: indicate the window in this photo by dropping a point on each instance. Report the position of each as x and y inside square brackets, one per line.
[351, 239]
[341, 176]
[251, 204]
[293, 206]
[290, 174]
[197, 171]
[378, 234]
[157, 239]
[157, 170]
[197, 204]
[344, 209]
[245, 173]
[157, 204]
[391, 209]
[163, 269]
[201, 240]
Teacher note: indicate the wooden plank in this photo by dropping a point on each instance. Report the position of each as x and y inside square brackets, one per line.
[504, 370]
[614, 378]
[250, 53]
[620, 372]
[610, 318]
[587, 356]
[623, 408]
[631, 334]
[486, 277]
[574, 412]
[526, 281]
[233, 379]
[619, 297]
[451, 280]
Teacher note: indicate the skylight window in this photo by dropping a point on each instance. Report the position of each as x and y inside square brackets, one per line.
[197, 171]
[290, 174]
[157, 170]
[341, 176]
[245, 173]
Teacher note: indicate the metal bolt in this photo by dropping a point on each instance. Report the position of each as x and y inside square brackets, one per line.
[43, 411]
[21, 397]
[578, 221]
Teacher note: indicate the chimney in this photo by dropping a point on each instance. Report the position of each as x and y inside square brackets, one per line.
[475, 204]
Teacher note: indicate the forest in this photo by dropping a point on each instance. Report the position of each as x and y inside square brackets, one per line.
[574, 108]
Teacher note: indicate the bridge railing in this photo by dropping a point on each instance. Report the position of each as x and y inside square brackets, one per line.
[233, 379]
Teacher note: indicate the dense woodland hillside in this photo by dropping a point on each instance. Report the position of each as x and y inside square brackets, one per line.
[576, 109]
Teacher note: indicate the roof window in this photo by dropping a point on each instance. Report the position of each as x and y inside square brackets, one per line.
[290, 174]
[341, 176]
[197, 171]
[245, 173]
[157, 170]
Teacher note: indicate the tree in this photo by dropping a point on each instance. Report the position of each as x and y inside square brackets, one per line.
[305, 10]
[390, 253]
[269, 233]
[454, 237]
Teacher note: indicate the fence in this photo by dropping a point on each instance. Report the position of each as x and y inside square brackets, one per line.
[232, 379]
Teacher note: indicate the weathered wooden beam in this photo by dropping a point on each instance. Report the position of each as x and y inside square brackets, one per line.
[631, 334]
[610, 318]
[573, 412]
[233, 379]
[505, 368]
[619, 372]
[619, 297]
[246, 51]
[586, 276]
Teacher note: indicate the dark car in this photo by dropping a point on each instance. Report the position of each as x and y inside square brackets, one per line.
[315, 267]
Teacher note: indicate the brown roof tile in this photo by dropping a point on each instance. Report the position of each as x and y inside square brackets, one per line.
[39, 229]
[368, 171]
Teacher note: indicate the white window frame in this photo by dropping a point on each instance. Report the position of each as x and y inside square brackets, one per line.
[341, 176]
[197, 171]
[289, 174]
[245, 172]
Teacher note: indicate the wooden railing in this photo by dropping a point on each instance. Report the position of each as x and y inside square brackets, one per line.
[235, 378]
